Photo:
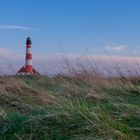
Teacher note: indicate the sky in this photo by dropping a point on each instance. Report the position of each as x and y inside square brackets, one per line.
[74, 27]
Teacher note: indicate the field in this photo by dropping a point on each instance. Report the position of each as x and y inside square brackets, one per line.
[81, 107]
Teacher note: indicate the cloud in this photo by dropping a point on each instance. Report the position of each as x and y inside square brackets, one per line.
[53, 63]
[42, 56]
[5, 50]
[117, 48]
[11, 55]
[16, 27]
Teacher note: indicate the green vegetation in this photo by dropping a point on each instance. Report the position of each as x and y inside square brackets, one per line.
[82, 107]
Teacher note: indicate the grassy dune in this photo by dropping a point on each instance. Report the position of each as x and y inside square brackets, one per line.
[82, 107]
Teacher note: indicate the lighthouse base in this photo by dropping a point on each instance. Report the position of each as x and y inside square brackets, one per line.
[25, 71]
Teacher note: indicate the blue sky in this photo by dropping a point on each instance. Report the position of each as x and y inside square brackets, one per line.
[73, 26]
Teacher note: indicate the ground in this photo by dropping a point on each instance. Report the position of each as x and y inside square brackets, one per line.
[81, 107]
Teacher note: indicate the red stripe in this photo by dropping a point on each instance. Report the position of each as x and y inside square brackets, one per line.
[28, 56]
[28, 45]
[29, 68]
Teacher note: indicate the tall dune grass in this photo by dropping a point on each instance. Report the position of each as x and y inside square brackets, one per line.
[84, 104]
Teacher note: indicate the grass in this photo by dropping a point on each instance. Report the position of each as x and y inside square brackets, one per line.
[81, 107]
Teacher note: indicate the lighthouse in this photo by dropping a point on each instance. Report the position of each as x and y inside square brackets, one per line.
[28, 68]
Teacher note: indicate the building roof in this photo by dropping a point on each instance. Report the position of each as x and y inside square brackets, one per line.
[24, 70]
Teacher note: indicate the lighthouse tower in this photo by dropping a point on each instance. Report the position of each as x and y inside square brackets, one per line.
[28, 68]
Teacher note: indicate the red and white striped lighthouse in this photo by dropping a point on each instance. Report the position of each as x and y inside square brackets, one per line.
[28, 68]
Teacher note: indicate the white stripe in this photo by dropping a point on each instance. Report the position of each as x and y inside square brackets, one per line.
[28, 51]
[23, 73]
[28, 62]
